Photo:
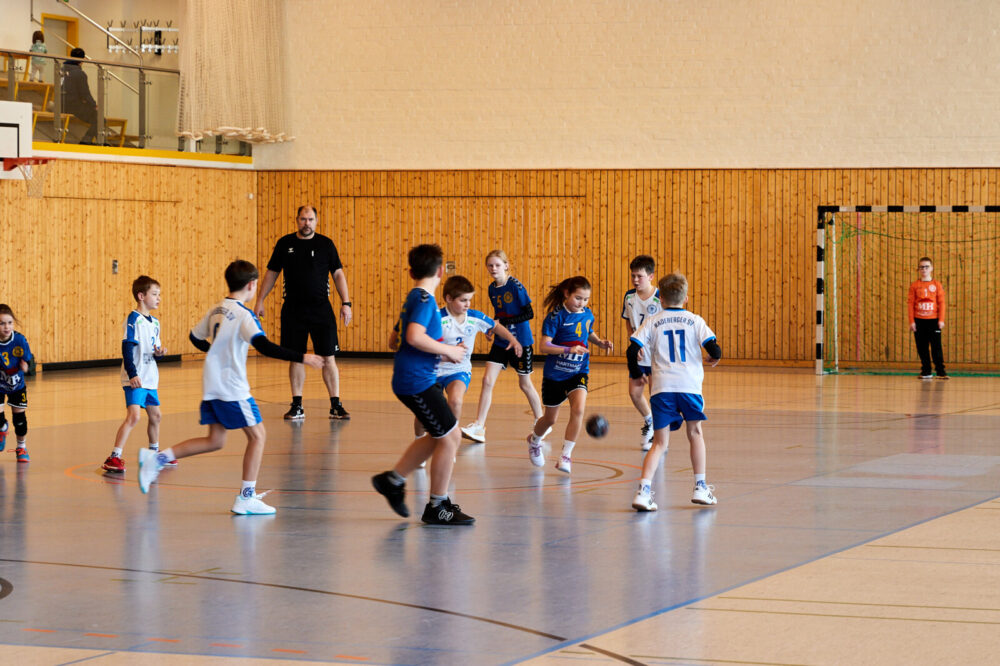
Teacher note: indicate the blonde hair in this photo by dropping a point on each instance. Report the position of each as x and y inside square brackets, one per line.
[673, 289]
[499, 254]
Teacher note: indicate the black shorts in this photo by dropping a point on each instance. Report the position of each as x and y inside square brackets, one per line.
[16, 399]
[300, 322]
[432, 410]
[555, 391]
[505, 357]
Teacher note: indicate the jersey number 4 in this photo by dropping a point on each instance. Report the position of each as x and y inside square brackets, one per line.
[675, 345]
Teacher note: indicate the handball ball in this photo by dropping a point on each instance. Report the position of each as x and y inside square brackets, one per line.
[597, 426]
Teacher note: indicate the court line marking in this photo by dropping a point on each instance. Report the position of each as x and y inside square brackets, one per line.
[344, 595]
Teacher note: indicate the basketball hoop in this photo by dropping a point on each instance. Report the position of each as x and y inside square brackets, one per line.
[33, 170]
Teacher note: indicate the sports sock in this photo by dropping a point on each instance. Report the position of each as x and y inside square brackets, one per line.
[154, 446]
[246, 486]
[568, 448]
[297, 400]
[437, 499]
[699, 478]
[645, 484]
[395, 479]
[534, 438]
[116, 452]
[334, 402]
[649, 418]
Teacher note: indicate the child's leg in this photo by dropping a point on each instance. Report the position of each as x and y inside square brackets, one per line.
[153, 417]
[528, 388]
[486, 395]
[546, 421]
[256, 437]
[443, 462]
[456, 396]
[697, 441]
[417, 452]
[651, 462]
[637, 392]
[20, 420]
[214, 441]
[132, 415]
[577, 406]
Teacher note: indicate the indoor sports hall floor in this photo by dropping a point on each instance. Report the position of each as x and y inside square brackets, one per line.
[857, 523]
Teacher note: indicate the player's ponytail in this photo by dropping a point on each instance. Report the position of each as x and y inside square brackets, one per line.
[558, 292]
[5, 310]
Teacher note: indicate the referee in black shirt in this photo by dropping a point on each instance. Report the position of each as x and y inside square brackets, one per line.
[308, 260]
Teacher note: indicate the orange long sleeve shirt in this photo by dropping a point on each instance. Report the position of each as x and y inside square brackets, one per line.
[925, 300]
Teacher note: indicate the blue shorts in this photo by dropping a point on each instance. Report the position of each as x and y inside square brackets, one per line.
[463, 377]
[231, 415]
[140, 396]
[672, 409]
[646, 370]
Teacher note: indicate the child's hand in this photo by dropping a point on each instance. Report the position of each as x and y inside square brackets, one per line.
[24, 366]
[577, 349]
[312, 360]
[606, 345]
[518, 349]
[135, 382]
[913, 327]
[159, 351]
[940, 324]
[455, 353]
[394, 340]
[714, 361]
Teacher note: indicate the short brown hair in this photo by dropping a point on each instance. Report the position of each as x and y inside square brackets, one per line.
[673, 289]
[643, 262]
[141, 285]
[239, 274]
[5, 310]
[457, 285]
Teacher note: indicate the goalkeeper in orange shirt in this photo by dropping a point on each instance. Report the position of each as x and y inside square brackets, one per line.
[925, 305]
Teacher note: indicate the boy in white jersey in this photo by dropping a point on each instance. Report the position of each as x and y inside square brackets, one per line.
[141, 346]
[226, 333]
[460, 324]
[672, 340]
[641, 302]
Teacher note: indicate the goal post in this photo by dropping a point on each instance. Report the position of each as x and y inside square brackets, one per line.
[866, 258]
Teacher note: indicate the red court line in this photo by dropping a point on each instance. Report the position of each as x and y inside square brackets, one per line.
[41, 631]
[233, 645]
[289, 651]
[166, 640]
[348, 656]
[103, 635]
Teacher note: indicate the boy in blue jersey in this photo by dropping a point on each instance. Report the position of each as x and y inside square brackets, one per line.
[672, 340]
[226, 333]
[415, 384]
[15, 355]
[141, 347]
[567, 329]
[640, 302]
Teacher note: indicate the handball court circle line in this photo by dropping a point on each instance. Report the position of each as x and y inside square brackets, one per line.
[6, 587]
[296, 588]
[614, 478]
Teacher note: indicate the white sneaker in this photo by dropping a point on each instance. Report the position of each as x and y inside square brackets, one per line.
[535, 453]
[252, 506]
[475, 432]
[149, 468]
[564, 464]
[643, 500]
[703, 494]
[646, 436]
[544, 434]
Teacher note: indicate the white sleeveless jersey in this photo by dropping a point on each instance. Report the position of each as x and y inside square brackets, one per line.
[636, 311]
[455, 332]
[144, 331]
[229, 326]
[673, 339]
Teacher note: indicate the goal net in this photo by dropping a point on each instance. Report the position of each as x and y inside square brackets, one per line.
[867, 258]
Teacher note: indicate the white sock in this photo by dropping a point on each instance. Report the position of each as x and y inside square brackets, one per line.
[154, 446]
[435, 500]
[248, 485]
[699, 478]
[644, 485]
[117, 451]
[534, 439]
[568, 448]
[649, 418]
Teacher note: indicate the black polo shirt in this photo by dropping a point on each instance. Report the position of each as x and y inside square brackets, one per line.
[308, 264]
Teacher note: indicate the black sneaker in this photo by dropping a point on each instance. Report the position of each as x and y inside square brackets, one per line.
[393, 494]
[295, 413]
[446, 513]
[339, 413]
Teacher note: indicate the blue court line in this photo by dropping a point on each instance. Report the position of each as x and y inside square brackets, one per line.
[682, 604]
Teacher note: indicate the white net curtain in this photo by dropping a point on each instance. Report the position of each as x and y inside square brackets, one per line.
[231, 70]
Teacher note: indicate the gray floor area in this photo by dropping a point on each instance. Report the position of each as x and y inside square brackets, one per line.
[88, 561]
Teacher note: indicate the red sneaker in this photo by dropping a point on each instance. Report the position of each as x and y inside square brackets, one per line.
[114, 464]
[22, 454]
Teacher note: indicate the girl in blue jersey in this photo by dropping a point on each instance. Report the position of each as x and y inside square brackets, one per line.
[512, 308]
[15, 354]
[567, 329]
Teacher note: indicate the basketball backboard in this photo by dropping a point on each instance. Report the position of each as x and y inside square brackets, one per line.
[15, 133]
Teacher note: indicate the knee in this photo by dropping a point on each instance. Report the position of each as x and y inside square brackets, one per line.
[132, 418]
[488, 381]
[20, 420]
[154, 418]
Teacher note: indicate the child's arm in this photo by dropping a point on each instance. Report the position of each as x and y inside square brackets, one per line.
[416, 337]
[527, 314]
[559, 350]
[911, 298]
[940, 304]
[133, 374]
[714, 351]
[606, 345]
[503, 333]
[632, 356]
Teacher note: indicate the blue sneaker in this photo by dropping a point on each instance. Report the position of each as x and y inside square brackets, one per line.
[3, 437]
[22, 454]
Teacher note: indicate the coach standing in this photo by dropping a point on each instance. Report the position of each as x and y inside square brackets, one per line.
[308, 259]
